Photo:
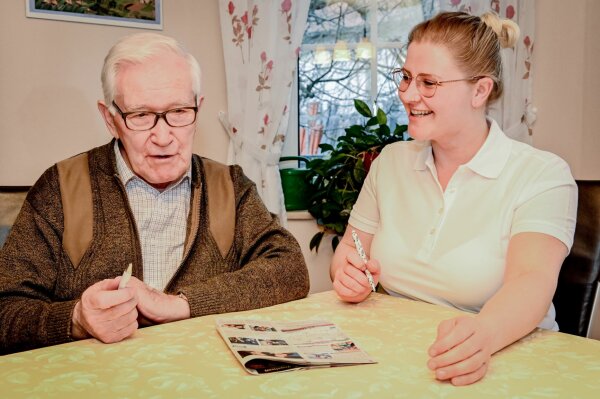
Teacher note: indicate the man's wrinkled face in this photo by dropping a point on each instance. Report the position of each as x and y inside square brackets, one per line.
[160, 155]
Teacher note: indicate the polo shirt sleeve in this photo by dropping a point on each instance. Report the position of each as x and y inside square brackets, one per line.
[549, 204]
[365, 212]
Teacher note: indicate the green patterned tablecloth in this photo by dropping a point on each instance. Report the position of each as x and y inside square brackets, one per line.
[188, 359]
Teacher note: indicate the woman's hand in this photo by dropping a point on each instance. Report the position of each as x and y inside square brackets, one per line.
[350, 281]
[348, 269]
[462, 350]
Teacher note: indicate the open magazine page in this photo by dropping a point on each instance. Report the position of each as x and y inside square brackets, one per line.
[263, 347]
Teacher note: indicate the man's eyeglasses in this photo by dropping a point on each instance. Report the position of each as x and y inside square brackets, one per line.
[146, 120]
[426, 85]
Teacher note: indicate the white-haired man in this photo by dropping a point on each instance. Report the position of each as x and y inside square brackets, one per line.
[198, 236]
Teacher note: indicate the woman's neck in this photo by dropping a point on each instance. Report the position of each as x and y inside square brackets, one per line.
[458, 149]
[461, 147]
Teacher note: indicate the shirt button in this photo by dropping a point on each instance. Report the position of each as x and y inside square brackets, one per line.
[432, 231]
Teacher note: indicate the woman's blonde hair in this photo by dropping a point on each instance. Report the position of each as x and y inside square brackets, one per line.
[475, 42]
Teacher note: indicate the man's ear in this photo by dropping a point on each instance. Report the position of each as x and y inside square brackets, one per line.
[200, 101]
[483, 88]
[108, 119]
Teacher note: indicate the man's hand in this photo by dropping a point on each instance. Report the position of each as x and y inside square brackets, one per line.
[105, 312]
[156, 307]
[350, 281]
[462, 350]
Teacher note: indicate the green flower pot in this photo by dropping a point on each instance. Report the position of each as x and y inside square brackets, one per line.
[295, 185]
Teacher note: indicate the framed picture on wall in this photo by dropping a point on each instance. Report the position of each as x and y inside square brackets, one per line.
[132, 13]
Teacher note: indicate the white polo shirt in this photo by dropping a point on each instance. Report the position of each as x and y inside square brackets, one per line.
[449, 247]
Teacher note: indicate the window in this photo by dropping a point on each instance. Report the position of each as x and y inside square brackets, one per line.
[348, 51]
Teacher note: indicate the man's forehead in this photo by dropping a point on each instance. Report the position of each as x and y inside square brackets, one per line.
[158, 75]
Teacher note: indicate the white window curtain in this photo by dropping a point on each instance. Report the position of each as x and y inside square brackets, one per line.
[514, 112]
[261, 39]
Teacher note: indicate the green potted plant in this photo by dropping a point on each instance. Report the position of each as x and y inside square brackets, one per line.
[336, 179]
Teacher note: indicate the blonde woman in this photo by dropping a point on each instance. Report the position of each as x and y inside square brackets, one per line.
[463, 216]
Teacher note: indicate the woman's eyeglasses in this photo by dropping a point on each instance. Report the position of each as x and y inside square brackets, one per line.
[426, 85]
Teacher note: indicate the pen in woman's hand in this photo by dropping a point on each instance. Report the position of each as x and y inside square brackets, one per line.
[363, 256]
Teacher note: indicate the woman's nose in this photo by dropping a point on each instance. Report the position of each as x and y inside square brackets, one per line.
[411, 94]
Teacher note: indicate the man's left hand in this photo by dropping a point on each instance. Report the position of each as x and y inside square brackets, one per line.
[462, 350]
[156, 307]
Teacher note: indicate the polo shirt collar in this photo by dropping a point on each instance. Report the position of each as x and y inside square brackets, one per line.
[493, 154]
[424, 157]
[489, 160]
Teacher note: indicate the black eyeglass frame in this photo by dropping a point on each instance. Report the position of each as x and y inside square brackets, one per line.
[437, 83]
[157, 116]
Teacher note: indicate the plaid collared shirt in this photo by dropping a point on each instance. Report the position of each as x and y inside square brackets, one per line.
[161, 220]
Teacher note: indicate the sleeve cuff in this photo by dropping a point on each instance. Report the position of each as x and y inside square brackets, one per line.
[58, 323]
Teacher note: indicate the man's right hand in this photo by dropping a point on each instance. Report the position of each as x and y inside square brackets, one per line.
[105, 312]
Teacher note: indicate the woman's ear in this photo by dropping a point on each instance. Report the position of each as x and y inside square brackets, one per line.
[483, 88]
[108, 119]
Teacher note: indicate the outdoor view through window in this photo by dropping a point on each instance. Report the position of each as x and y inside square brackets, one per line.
[348, 51]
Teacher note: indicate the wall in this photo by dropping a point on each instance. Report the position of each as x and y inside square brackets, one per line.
[566, 84]
[50, 83]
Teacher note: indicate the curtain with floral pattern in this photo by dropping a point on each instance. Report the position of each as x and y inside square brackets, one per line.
[514, 112]
[261, 41]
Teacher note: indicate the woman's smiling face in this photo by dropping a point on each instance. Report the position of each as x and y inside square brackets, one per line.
[442, 114]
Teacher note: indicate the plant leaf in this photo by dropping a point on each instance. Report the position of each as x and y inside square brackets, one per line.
[325, 147]
[400, 129]
[335, 242]
[384, 131]
[316, 241]
[381, 117]
[354, 131]
[373, 121]
[359, 170]
[362, 108]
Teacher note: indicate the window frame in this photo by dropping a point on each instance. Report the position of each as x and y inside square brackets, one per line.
[291, 145]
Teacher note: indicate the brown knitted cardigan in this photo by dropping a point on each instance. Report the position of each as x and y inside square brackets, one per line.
[39, 286]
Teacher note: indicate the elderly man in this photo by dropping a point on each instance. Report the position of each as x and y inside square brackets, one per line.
[198, 236]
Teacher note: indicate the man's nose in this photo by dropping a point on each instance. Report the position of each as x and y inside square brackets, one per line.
[161, 132]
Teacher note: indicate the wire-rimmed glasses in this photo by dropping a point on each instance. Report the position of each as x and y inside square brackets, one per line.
[426, 85]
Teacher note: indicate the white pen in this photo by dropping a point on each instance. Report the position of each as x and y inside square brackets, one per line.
[363, 256]
[125, 278]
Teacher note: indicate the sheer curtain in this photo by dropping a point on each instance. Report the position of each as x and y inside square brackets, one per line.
[514, 112]
[261, 40]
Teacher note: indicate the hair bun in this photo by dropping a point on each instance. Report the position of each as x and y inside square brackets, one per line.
[507, 31]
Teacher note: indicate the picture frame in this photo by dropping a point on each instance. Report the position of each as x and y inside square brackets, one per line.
[146, 14]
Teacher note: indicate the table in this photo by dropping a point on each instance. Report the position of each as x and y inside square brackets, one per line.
[188, 359]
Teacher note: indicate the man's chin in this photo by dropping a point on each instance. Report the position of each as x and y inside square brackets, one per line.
[160, 183]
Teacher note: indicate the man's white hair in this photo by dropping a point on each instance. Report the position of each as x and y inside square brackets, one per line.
[137, 48]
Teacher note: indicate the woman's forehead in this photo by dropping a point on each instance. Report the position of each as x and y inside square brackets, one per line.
[429, 58]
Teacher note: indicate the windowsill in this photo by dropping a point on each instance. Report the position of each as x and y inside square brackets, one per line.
[299, 215]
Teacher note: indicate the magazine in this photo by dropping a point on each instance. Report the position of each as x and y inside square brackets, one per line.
[266, 347]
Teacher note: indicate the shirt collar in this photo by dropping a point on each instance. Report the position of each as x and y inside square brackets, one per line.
[487, 162]
[424, 157]
[126, 174]
[493, 154]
